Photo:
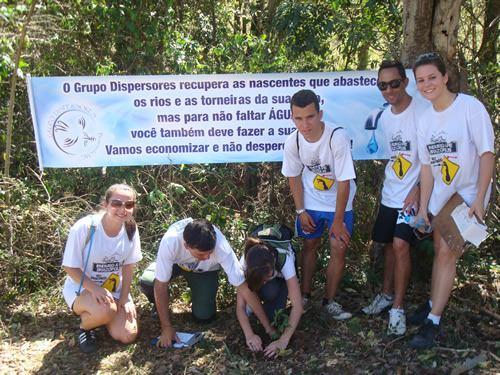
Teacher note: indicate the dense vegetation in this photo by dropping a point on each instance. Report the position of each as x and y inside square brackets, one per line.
[98, 37]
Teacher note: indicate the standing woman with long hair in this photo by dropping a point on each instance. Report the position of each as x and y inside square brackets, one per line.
[99, 258]
[456, 148]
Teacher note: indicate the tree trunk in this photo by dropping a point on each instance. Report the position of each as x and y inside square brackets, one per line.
[13, 83]
[432, 25]
[488, 50]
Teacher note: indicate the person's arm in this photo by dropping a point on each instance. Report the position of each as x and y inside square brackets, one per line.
[253, 341]
[253, 301]
[486, 167]
[338, 229]
[296, 312]
[100, 294]
[124, 303]
[168, 334]
[297, 191]
[426, 186]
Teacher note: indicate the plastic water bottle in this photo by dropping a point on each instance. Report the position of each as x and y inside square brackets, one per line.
[419, 224]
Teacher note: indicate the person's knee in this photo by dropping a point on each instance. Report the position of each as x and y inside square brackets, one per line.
[337, 250]
[124, 336]
[445, 256]
[311, 245]
[401, 250]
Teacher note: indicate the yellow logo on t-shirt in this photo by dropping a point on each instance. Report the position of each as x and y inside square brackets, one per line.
[449, 170]
[322, 183]
[401, 166]
[111, 282]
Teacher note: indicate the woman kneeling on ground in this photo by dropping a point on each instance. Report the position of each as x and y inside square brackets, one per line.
[273, 283]
[99, 258]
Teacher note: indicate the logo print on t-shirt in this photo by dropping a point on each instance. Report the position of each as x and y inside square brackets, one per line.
[397, 143]
[449, 170]
[323, 183]
[112, 282]
[401, 166]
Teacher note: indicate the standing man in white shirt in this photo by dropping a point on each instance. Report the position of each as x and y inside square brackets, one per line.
[400, 193]
[318, 163]
[196, 250]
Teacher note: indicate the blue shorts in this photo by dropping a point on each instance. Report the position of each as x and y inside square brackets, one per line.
[322, 219]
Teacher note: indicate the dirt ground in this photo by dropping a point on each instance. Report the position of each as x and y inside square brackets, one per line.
[38, 336]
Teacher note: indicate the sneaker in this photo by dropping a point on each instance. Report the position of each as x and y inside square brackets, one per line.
[397, 322]
[427, 336]
[336, 311]
[380, 303]
[87, 341]
[420, 315]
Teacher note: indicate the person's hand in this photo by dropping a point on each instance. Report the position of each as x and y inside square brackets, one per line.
[127, 308]
[477, 208]
[339, 232]
[167, 337]
[102, 295]
[273, 349]
[254, 343]
[306, 222]
[422, 215]
[412, 200]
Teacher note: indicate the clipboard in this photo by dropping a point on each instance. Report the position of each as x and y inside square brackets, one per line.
[445, 224]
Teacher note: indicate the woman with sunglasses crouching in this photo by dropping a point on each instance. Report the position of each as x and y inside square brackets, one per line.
[455, 138]
[99, 258]
[271, 274]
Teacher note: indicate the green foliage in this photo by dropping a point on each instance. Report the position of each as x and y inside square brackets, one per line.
[97, 37]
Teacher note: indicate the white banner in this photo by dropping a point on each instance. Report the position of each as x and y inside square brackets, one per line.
[144, 120]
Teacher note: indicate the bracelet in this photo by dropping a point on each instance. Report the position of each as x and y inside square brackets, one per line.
[300, 211]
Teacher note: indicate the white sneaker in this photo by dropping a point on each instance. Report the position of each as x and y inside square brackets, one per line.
[397, 322]
[336, 311]
[380, 303]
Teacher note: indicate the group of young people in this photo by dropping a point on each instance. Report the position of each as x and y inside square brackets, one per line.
[437, 148]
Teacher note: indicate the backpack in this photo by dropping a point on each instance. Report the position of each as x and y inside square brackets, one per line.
[279, 237]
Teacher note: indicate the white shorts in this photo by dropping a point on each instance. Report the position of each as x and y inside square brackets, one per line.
[70, 288]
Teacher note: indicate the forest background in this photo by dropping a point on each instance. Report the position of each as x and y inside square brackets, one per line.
[97, 37]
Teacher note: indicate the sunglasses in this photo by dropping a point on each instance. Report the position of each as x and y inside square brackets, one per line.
[431, 56]
[394, 84]
[116, 203]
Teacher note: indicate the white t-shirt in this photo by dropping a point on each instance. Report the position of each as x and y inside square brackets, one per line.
[322, 164]
[451, 142]
[288, 270]
[107, 256]
[403, 168]
[172, 251]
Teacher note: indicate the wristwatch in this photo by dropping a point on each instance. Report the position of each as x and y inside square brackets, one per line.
[300, 210]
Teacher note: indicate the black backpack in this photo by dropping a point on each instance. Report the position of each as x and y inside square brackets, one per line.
[279, 237]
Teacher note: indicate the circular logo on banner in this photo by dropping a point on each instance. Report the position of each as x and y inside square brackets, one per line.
[74, 131]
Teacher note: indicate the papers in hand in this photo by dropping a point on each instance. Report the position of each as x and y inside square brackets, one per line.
[186, 339]
[470, 229]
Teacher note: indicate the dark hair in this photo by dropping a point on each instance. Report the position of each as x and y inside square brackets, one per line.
[303, 98]
[430, 58]
[200, 235]
[387, 64]
[130, 225]
[260, 259]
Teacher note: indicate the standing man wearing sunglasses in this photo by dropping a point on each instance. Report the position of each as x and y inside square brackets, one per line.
[196, 250]
[400, 193]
